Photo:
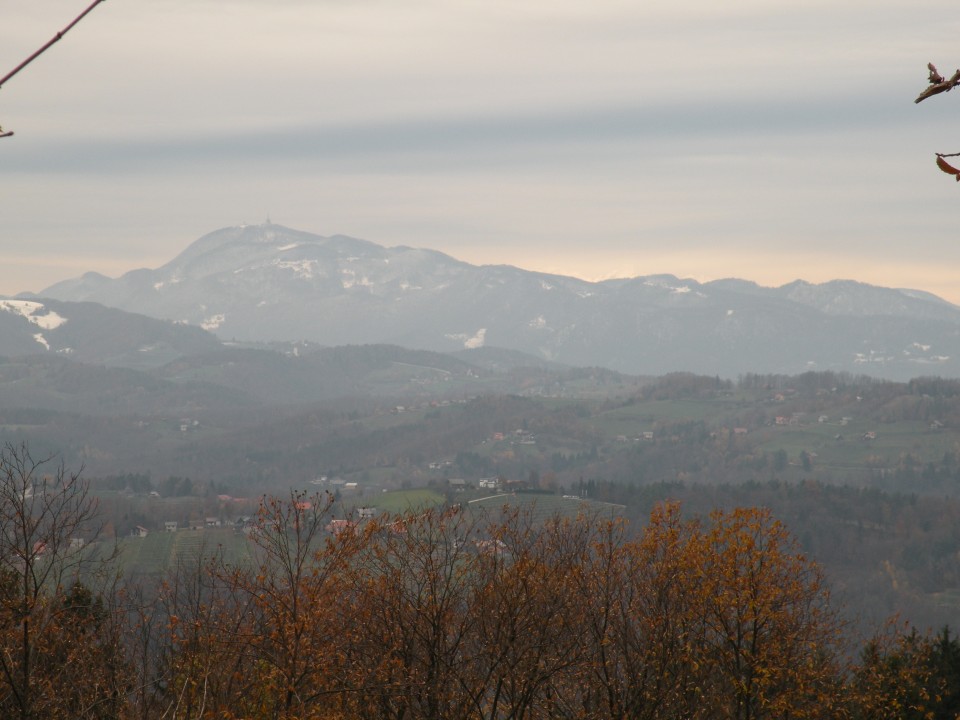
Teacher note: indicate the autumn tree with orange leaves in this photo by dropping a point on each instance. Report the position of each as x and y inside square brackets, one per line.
[407, 636]
[446, 614]
[643, 623]
[262, 639]
[907, 675]
[458, 617]
[771, 639]
[716, 619]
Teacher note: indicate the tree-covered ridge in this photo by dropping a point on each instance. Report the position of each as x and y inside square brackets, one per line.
[441, 613]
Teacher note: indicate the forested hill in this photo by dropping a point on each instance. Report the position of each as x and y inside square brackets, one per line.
[865, 473]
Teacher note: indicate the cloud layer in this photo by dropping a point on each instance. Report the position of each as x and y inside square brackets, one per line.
[605, 138]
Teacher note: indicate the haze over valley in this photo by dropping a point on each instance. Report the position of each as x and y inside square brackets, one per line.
[266, 359]
[268, 283]
[604, 363]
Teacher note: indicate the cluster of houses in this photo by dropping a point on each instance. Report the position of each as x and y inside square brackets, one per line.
[519, 437]
[799, 418]
[188, 424]
[171, 526]
[246, 524]
[645, 436]
[335, 484]
[400, 409]
[362, 515]
[495, 484]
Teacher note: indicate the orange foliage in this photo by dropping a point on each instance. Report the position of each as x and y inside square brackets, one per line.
[465, 616]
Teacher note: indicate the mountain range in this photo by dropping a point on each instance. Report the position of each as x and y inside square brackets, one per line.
[269, 283]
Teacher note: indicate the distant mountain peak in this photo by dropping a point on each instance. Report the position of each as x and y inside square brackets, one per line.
[268, 282]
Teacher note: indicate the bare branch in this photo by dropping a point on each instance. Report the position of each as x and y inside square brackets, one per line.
[38, 53]
[50, 42]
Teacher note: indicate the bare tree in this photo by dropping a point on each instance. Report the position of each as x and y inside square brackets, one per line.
[257, 639]
[48, 529]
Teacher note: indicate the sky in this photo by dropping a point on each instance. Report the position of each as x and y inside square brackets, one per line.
[763, 140]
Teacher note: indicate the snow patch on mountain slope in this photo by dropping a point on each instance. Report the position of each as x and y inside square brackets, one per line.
[470, 342]
[349, 279]
[301, 268]
[477, 340]
[172, 280]
[213, 322]
[676, 289]
[30, 310]
[42, 340]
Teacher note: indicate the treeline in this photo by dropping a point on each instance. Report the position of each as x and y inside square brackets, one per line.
[447, 615]
[696, 441]
[441, 614]
[884, 552]
[923, 398]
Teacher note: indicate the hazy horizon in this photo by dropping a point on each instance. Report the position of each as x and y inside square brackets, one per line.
[546, 269]
[768, 143]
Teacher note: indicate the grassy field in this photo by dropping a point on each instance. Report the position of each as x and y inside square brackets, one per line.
[846, 447]
[400, 501]
[543, 507]
[160, 551]
[630, 420]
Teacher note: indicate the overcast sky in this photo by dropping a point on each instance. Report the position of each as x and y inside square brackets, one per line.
[598, 138]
